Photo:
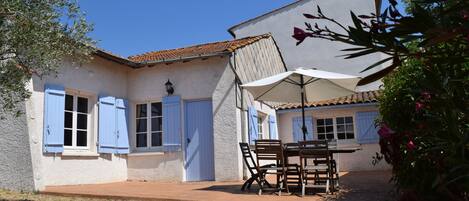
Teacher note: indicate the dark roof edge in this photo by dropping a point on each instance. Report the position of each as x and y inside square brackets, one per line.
[115, 58]
[151, 63]
[230, 30]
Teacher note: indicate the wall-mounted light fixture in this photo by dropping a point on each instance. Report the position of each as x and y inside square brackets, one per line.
[169, 87]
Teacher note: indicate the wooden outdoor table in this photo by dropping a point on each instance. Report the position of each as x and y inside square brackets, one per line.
[295, 151]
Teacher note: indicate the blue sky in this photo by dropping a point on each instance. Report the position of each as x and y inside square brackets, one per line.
[127, 27]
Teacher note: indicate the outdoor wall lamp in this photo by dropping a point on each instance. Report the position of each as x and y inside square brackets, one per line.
[169, 87]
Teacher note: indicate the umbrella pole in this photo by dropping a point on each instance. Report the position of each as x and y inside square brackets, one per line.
[303, 107]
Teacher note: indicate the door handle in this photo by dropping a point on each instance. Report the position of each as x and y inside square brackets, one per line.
[188, 140]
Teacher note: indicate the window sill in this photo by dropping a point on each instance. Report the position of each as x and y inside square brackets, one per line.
[80, 154]
[158, 153]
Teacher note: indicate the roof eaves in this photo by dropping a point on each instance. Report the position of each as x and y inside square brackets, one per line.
[115, 58]
[151, 63]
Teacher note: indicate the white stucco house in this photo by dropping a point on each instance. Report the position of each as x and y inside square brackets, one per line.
[350, 120]
[113, 119]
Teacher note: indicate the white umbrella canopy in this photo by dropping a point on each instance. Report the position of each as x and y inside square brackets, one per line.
[318, 85]
[302, 85]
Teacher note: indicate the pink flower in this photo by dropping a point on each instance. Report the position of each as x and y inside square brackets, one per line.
[419, 106]
[384, 131]
[426, 95]
[300, 35]
[410, 145]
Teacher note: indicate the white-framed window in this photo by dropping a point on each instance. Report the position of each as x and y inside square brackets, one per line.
[325, 128]
[76, 121]
[149, 128]
[344, 127]
[340, 128]
[260, 126]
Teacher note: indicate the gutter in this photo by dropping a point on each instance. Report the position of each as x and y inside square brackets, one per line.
[151, 63]
[281, 111]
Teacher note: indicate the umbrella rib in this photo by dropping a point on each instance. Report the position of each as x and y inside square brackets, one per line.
[257, 98]
[291, 81]
[311, 80]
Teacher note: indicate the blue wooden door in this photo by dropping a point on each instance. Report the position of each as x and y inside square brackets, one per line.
[199, 141]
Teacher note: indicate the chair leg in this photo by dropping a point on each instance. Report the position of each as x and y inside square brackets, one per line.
[280, 189]
[303, 186]
[245, 184]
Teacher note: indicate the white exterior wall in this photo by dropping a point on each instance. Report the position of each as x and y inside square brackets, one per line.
[97, 77]
[197, 79]
[358, 161]
[313, 53]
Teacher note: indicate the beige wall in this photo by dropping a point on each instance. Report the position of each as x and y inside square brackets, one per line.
[358, 161]
[197, 79]
[87, 166]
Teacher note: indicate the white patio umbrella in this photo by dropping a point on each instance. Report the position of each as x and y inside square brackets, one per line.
[302, 85]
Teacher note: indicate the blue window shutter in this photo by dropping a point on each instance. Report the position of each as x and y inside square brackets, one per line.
[54, 106]
[107, 124]
[253, 127]
[309, 128]
[297, 123]
[367, 132]
[273, 127]
[172, 123]
[122, 129]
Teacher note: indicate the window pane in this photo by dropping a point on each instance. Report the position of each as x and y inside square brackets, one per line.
[81, 138]
[141, 125]
[341, 136]
[68, 120]
[349, 128]
[321, 129]
[82, 121]
[330, 136]
[328, 121]
[156, 139]
[340, 128]
[142, 140]
[156, 124]
[320, 121]
[82, 105]
[68, 102]
[340, 120]
[141, 110]
[348, 120]
[350, 136]
[321, 137]
[156, 109]
[67, 137]
[329, 129]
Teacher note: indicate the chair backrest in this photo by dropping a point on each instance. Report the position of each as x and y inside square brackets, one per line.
[332, 143]
[317, 149]
[247, 156]
[268, 150]
[291, 146]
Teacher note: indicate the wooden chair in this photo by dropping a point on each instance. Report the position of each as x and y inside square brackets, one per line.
[251, 165]
[334, 170]
[271, 150]
[316, 175]
[293, 169]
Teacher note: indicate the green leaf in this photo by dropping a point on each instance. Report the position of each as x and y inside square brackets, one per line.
[376, 64]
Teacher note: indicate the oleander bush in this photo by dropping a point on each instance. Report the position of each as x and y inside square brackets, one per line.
[424, 122]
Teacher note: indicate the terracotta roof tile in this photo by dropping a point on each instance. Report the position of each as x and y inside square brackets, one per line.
[196, 50]
[360, 97]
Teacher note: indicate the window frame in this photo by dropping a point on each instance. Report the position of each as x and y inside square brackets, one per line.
[334, 123]
[89, 124]
[345, 124]
[149, 132]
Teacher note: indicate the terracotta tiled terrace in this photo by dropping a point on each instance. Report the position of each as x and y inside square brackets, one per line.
[363, 186]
